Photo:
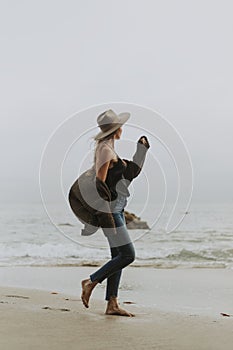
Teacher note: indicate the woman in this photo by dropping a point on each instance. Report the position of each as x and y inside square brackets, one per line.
[110, 169]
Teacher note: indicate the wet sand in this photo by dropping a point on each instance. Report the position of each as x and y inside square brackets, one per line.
[175, 309]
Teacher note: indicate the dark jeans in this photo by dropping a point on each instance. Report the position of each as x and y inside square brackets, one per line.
[122, 252]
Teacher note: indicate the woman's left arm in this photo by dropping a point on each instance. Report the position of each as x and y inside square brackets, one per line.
[134, 167]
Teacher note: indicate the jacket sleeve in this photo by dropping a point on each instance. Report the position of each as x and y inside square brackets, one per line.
[135, 165]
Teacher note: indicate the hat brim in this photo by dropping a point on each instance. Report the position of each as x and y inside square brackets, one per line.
[123, 117]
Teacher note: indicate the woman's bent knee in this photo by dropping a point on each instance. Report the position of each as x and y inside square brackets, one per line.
[129, 253]
[130, 258]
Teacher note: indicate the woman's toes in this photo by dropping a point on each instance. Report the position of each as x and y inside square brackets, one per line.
[84, 302]
[126, 313]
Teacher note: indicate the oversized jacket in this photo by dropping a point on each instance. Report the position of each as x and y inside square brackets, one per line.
[90, 197]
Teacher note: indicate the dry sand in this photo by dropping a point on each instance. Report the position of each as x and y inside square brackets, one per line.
[38, 319]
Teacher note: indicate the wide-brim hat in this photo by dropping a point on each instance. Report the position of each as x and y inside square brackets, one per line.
[109, 121]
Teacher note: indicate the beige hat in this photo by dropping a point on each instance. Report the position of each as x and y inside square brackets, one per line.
[109, 121]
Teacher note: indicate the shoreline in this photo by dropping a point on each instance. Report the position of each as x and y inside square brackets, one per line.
[133, 265]
[197, 291]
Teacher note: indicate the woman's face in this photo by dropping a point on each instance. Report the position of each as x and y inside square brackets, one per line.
[118, 133]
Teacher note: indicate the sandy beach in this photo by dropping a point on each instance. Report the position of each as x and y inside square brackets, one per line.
[175, 309]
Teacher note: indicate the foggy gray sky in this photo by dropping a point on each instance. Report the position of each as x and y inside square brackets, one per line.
[58, 57]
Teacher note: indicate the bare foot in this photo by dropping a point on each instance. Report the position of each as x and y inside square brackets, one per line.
[114, 309]
[119, 312]
[87, 287]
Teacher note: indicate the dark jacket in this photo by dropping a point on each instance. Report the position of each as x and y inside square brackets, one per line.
[90, 198]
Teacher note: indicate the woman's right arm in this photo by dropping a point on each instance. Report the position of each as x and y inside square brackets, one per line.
[102, 172]
[104, 156]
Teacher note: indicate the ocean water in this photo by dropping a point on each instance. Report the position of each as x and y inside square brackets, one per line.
[29, 238]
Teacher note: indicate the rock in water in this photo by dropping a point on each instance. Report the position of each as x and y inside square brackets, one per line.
[134, 222]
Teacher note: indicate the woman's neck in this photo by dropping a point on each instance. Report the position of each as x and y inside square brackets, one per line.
[110, 142]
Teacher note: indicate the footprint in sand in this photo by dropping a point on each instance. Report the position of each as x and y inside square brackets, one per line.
[50, 308]
[17, 296]
[129, 302]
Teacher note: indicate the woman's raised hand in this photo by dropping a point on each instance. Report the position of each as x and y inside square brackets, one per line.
[143, 139]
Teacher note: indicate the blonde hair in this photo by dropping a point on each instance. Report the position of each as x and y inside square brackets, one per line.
[97, 142]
